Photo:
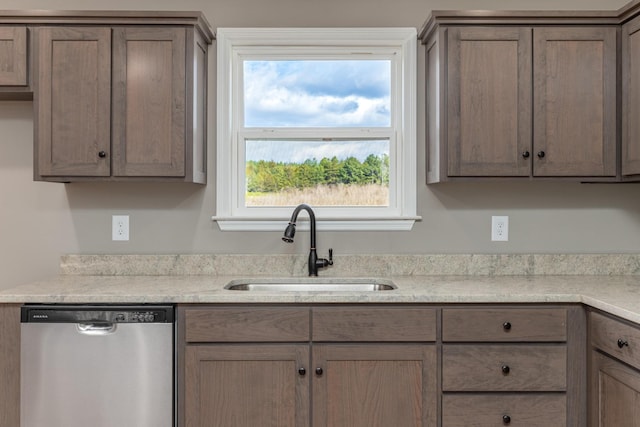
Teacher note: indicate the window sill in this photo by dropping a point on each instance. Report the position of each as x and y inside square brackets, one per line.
[341, 224]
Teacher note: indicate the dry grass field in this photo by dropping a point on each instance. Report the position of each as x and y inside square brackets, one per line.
[324, 195]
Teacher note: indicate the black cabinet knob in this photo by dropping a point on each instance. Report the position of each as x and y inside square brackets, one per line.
[506, 326]
[506, 419]
[302, 372]
[102, 154]
[622, 343]
[541, 154]
[319, 371]
[506, 369]
[526, 154]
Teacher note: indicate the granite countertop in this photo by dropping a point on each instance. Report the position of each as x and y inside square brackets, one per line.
[609, 282]
[618, 295]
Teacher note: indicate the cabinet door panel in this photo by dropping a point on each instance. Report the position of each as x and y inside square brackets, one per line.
[615, 399]
[73, 101]
[149, 118]
[374, 385]
[246, 386]
[631, 98]
[489, 101]
[575, 101]
[13, 56]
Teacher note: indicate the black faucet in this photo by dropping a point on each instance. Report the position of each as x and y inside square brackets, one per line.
[290, 231]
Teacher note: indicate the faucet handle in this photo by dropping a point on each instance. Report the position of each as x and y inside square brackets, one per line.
[330, 256]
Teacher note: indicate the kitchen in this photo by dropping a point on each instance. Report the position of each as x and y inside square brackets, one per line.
[42, 221]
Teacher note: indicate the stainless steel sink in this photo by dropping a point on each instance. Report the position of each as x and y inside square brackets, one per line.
[311, 285]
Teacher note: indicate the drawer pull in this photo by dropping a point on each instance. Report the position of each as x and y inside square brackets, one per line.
[506, 326]
[319, 371]
[506, 419]
[506, 369]
[302, 372]
[622, 343]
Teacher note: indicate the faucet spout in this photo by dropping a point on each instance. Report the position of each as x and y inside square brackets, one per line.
[314, 262]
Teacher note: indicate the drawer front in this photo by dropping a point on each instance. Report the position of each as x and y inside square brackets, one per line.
[247, 324]
[504, 368]
[616, 338]
[530, 410]
[513, 324]
[374, 324]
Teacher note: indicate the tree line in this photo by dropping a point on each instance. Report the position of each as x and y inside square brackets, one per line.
[269, 176]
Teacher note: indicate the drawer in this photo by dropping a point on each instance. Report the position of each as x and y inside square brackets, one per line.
[504, 368]
[374, 324]
[616, 338]
[530, 410]
[504, 324]
[248, 324]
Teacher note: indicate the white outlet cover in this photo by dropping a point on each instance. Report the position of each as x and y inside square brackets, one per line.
[120, 227]
[499, 228]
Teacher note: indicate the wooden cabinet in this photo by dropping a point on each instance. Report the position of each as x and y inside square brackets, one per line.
[14, 58]
[614, 373]
[521, 102]
[346, 364]
[631, 99]
[120, 103]
[10, 364]
[520, 366]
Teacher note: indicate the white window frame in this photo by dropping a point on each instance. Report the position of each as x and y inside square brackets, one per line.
[233, 44]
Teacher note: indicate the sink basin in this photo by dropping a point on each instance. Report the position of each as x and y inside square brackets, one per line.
[311, 285]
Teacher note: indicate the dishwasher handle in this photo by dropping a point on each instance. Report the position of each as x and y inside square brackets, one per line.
[96, 328]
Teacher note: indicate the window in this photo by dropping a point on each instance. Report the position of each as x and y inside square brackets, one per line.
[318, 116]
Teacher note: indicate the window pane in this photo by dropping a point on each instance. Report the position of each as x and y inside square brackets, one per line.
[321, 173]
[317, 93]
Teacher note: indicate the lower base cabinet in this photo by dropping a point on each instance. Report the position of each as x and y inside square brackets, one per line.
[344, 368]
[615, 372]
[616, 393]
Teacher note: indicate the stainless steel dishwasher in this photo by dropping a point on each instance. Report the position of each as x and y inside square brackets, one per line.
[99, 366]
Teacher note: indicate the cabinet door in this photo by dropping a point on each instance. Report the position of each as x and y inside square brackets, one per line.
[13, 56]
[149, 127]
[374, 385]
[246, 386]
[73, 101]
[615, 393]
[631, 98]
[489, 101]
[574, 102]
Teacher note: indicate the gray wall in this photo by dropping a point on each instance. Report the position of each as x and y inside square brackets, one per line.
[41, 221]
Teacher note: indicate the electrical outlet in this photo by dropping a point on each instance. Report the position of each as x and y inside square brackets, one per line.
[120, 227]
[499, 228]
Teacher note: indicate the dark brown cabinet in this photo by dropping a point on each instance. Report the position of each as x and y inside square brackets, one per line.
[631, 99]
[521, 102]
[615, 373]
[356, 372]
[520, 366]
[120, 103]
[13, 56]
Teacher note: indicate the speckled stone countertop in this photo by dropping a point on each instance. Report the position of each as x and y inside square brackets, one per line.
[107, 280]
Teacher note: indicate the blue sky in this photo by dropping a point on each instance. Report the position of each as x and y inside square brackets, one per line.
[316, 93]
[310, 93]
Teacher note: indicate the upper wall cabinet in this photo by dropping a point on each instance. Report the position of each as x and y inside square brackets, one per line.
[14, 61]
[521, 101]
[121, 102]
[631, 99]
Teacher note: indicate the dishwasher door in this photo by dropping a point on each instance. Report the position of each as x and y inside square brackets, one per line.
[98, 367]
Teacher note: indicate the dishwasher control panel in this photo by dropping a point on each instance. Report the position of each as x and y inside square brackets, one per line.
[107, 314]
